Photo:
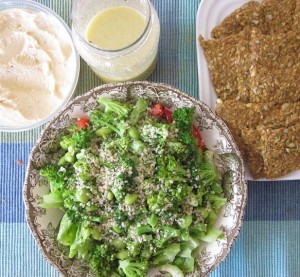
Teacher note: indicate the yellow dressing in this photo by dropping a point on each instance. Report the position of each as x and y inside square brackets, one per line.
[116, 28]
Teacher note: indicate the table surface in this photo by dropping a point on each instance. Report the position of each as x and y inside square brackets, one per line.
[269, 242]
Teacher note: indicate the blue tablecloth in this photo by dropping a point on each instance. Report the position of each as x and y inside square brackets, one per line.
[269, 242]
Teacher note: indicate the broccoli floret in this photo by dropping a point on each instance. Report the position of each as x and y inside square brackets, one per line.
[134, 248]
[186, 265]
[166, 233]
[208, 171]
[217, 201]
[184, 259]
[77, 140]
[82, 242]
[99, 119]
[183, 118]
[103, 261]
[74, 208]
[155, 134]
[114, 106]
[81, 138]
[167, 255]
[177, 147]
[174, 167]
[133, 268]
[120, 216]
[180, 192]
[55, 176]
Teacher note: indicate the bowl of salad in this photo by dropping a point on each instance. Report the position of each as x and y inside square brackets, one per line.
[135, 179]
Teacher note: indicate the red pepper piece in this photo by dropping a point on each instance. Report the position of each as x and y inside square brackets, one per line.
[82, 123]
[197, 135]
[157, 110]
[168, 115]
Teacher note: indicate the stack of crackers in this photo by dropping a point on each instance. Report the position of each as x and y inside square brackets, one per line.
[254, 63]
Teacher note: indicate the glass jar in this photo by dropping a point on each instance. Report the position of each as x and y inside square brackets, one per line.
[135, 61]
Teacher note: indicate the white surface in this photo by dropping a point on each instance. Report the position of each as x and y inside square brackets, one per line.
[210, 14]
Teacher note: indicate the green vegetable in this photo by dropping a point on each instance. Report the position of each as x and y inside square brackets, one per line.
[114, 106]
[183, 118]
[172, 269]
[132, 268]
[103, 261]
[131, 187]
[130, 198]
[167, 255]
[138, 110]
[67, 231]
[53, 200]
[144, 229]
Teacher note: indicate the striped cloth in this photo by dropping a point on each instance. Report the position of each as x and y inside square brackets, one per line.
[269, 242]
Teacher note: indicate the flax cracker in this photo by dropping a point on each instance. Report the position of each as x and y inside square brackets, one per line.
[279, 15]
[280, 149]
[296, 23]
[243, 63]
[221, 59]
[238, 116]
[275, 69]
[252, 148]
[275, 51]
[279, 86]
[251, 115]
[250, 15]
[244, 120]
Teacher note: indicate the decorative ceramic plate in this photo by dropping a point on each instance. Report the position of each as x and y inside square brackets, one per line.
[210, 14]
[43, 223]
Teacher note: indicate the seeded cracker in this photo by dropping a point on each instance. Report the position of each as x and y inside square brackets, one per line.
[251, 115]
[279, 86]
[250, 15]
[279, 15]
[238, 116]
[280, 150]
[243, 63]
[296, 23]
[221, 58]
[275, 69]
[275, 51]
[252, 149]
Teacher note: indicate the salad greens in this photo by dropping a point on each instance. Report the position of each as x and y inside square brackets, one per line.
[136, 189]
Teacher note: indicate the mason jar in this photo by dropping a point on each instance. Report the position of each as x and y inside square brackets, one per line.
[117, 38]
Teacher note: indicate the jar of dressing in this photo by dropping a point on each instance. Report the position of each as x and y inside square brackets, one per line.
[117, 38]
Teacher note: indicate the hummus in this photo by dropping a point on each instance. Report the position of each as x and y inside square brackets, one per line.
[37, 66]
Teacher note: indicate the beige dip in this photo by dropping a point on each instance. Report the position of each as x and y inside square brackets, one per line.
[37, 66]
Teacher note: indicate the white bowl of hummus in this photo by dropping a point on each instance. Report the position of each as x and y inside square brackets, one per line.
[39, 66]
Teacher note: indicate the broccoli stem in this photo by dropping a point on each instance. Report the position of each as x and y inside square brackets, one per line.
[119, 244]
[186, 221]
[153, 220]
[144, 229]
[123, 254]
